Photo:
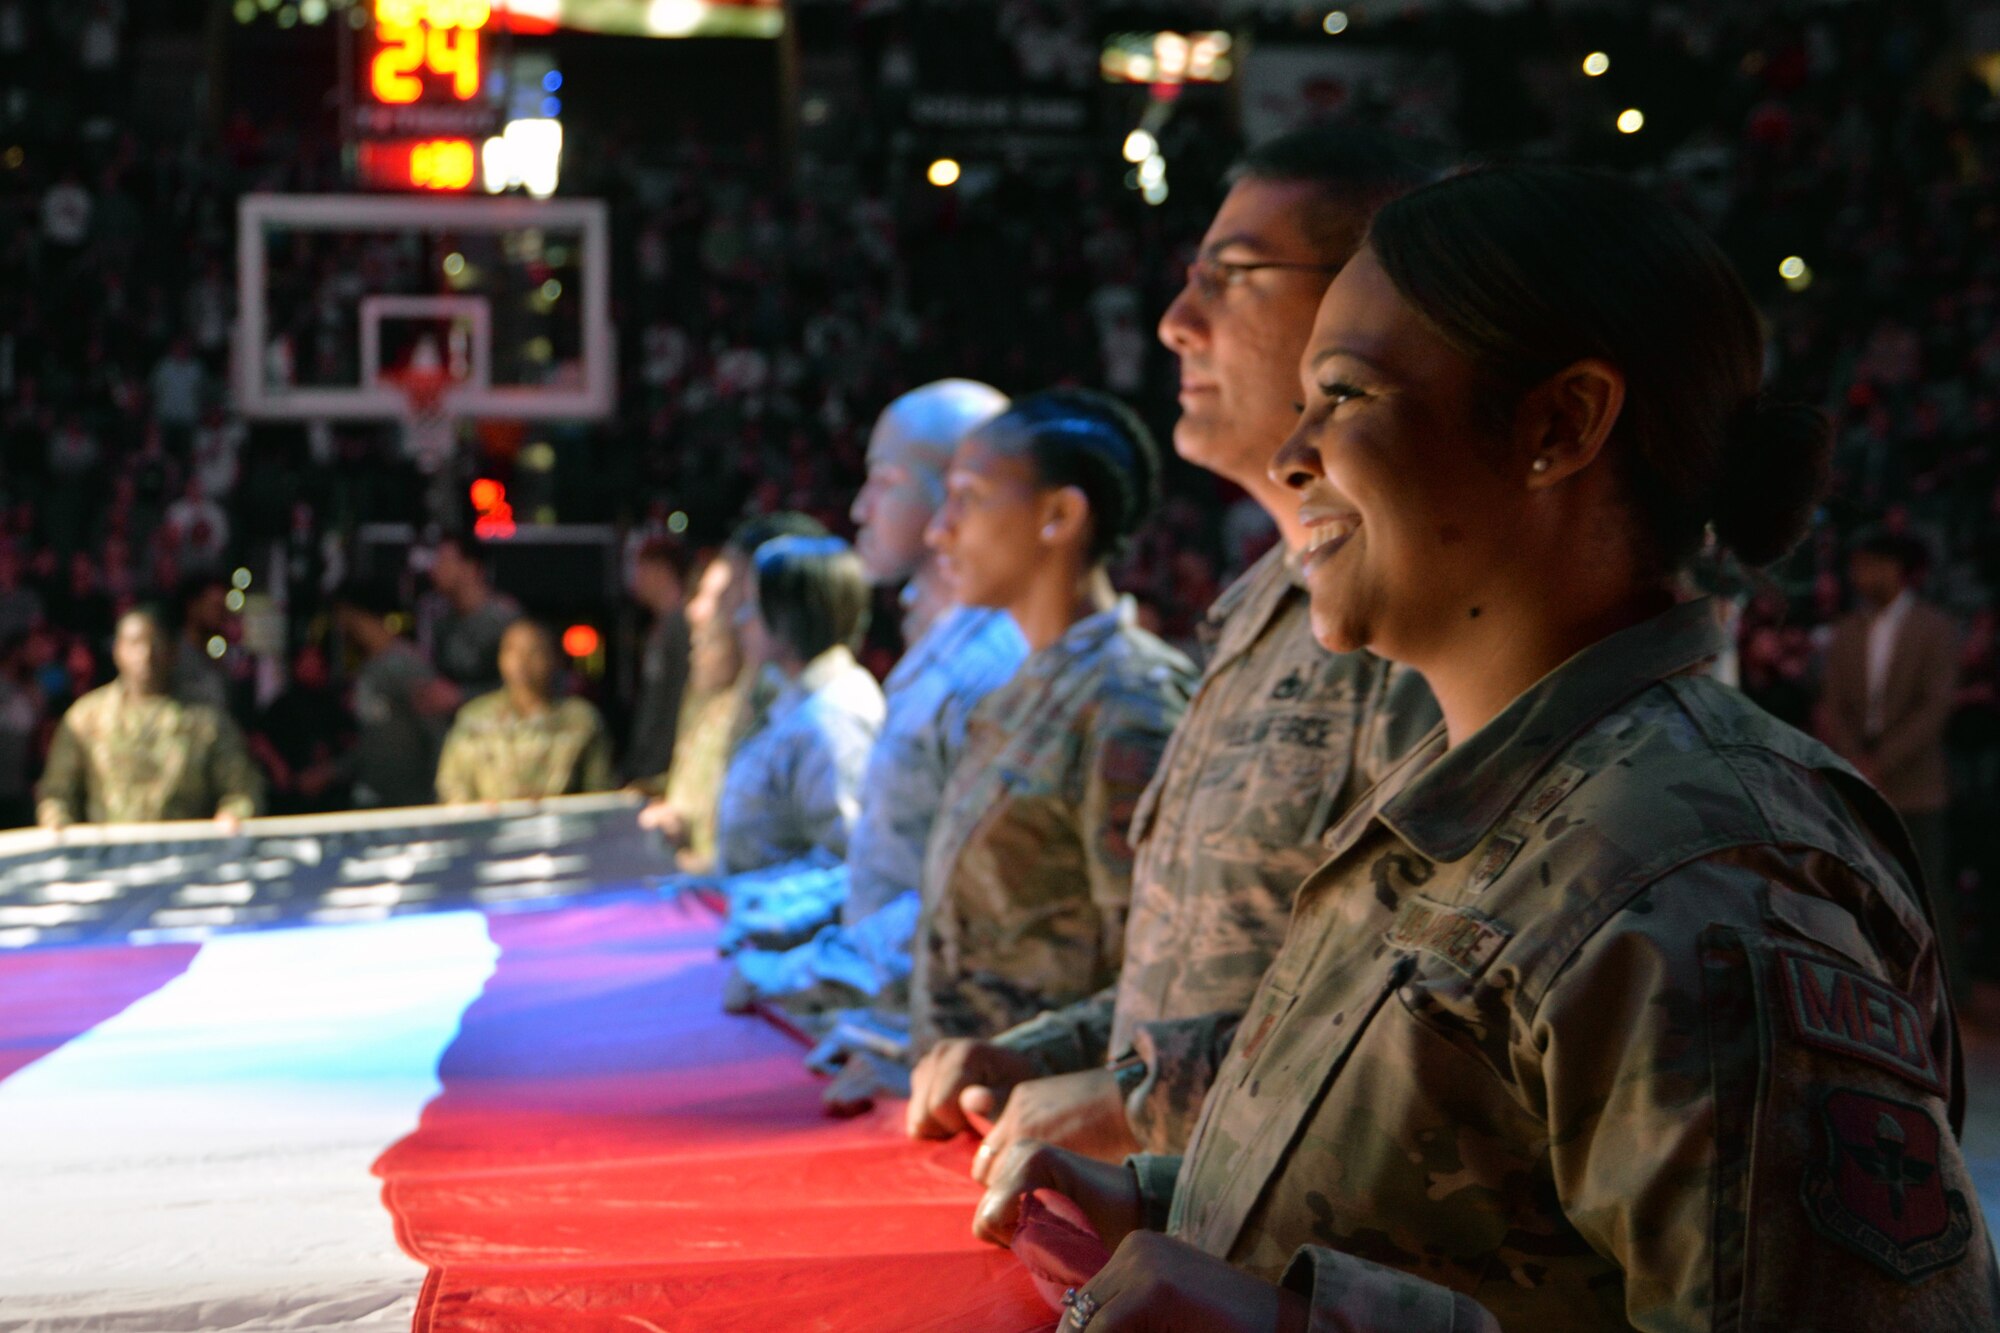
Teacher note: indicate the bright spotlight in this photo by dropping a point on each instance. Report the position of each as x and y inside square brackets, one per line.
[1140, 145]
[1596, 63]
[1335, 23]
[1631, 120]
[943, 173]
[1798, 275]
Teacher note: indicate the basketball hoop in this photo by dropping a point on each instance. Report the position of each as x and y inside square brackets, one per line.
[429, 432]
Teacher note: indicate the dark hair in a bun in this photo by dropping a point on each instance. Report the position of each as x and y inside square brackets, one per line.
[1089, 440]
[1775, 463]
[1526, 270]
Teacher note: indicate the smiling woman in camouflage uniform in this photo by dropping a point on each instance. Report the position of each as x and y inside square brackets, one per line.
[1616, 1005]
[1028, 873]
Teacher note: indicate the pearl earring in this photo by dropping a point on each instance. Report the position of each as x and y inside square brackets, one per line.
[1540, 465]
[1048, 532]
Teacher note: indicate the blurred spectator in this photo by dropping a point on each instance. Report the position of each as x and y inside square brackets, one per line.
[20, 714]
[1891, 685]
[199, 675]
[301, 736]
[465, 636]
[401, 705]
[659, 585]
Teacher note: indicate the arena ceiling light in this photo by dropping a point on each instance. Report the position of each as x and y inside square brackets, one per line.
[1335, 23]
[1596, 63]
[1140, 145]
[943, 173]
[1631, 120]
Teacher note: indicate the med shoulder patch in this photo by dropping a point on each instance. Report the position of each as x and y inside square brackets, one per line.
[1845, 1012]
[1876, 1184]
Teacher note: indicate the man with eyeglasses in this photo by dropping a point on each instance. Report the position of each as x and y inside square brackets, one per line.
[1281, 737]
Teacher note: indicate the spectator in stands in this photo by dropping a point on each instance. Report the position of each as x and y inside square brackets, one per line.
[301, 736]
[793, 788]
[401, 704]
[522, 740]
[1891, 685]
[659, 586]
[465, 638]
[1027, 878]
[199, 675]
[131, 751]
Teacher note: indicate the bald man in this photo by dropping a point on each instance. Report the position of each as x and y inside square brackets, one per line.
[957, 655]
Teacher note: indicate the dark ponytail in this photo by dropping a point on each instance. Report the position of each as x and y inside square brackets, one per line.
[1526, 270]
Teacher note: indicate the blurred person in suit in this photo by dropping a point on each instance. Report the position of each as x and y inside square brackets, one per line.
[1891, 678]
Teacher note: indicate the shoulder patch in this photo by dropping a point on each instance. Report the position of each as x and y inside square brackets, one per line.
[1462, 938]
[1842, 1011]
[1877, 1186]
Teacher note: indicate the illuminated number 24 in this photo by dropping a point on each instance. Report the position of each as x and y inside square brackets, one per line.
[441, 36]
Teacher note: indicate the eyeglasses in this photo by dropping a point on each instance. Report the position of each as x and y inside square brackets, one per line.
[1210, 278]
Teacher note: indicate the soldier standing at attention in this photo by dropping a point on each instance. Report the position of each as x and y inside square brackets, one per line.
[130, 752]
[522, 741]
[1028, 874]
[952, 662]
[1282, 736]
[1615, 1006]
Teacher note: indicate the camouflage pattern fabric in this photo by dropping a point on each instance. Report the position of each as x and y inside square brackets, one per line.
[1281, 738]
[967, 654]
[1028, 874]
[495, 752]
[793, 789]
[693, 784]
[122, 758]
[1623, 1013]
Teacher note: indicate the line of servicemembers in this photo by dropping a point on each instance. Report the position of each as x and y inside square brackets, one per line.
[138, 749]
[1452, 952]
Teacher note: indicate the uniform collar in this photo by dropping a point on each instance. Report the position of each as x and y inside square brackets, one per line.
[1448, 808]
[819, 673]
[1088, 635]
[1237, 619]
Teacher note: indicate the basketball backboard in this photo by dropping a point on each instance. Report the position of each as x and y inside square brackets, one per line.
[349, 303]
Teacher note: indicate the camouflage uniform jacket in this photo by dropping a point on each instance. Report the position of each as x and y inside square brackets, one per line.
[1029, 871]
[1623, 1013]
[118, 758]
[495, 752]
[793, 788]
[1281, 737]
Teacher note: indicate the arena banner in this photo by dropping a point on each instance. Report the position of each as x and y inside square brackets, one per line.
[180, 882]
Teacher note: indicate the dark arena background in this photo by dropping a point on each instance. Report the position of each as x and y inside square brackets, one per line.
[337, 337]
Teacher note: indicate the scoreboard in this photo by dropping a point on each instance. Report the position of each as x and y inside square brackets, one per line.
[429, 92]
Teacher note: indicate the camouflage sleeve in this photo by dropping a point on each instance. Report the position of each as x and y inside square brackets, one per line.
[1122, 756]
[1065, 1040]
[456, 783]
[826, 791]
[1156, 1175]
[1181, 1056]
[1350, 1295]
[1752, 1118]
[594, 771]
[233, 774]
[63, 794]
